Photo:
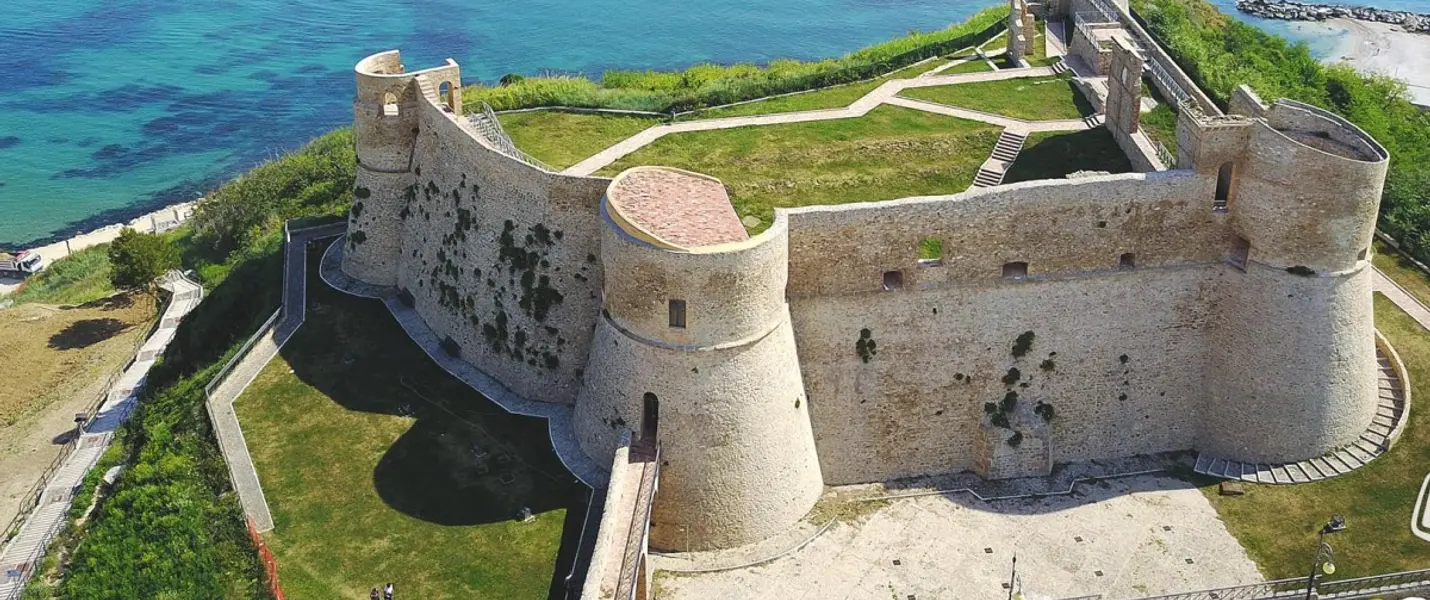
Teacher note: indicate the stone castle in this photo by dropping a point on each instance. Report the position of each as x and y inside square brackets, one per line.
[1220, 305]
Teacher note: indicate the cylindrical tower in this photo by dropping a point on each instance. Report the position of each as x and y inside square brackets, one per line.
[385, 129]
[1295, 349]
[695, 350]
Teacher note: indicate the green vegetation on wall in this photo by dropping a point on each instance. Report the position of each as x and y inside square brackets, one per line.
[713, 85]
[1220, 53]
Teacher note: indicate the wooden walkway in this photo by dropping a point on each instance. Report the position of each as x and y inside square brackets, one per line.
[22, 554]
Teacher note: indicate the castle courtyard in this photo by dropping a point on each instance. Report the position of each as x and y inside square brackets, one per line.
[1120, 538]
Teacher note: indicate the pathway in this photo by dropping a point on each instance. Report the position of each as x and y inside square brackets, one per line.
[245, 366]
[20, 557]
[884, 94]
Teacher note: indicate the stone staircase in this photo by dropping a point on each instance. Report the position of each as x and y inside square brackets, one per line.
[1384, 428]
[1060, 67]
[1009, 145]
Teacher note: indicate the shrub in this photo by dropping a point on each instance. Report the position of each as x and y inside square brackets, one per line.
[1219, 53]
[705, 85]
[138, 260]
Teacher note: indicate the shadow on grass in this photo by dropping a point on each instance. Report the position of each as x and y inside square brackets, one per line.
[1054, 156]
[465, 460]
[87, 332]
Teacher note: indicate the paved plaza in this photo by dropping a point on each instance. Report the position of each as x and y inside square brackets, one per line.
[1123, 538]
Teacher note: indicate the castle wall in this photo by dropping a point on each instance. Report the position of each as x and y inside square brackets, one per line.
[739, 461]
[502, 257]
[943, 342]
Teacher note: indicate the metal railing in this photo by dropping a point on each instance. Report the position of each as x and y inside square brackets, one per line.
[1106, 11]
[1270, 590]
[1377, 584]
[1168, 159]
[640, 521]
[490, 128]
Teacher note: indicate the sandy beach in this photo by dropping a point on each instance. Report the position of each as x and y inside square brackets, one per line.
[160, 220]
[1379, 48]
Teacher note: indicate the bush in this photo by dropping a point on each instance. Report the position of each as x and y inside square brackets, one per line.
[707, 85]
[138, 260]
[315, 180]
[74, 279]
[1220, 53]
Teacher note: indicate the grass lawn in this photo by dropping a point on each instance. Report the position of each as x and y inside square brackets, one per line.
[1400, 269]
[977, 65]
[562, 139]
[834, 97]
[74, 279]
[365, 450]
[1028, 98]
[1054, 155]
[890, 153]
[1277, 524]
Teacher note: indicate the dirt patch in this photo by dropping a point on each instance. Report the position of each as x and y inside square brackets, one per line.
[55, 360]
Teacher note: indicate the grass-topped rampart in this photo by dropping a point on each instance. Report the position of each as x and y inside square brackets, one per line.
[714, 85]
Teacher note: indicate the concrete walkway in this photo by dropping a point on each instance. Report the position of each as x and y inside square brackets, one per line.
[250, 360]
[884, 94]
[1402, 298]
[22, 554]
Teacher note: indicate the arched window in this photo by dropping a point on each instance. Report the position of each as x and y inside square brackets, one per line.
[390, 107]
[650, 416]
[444, 92]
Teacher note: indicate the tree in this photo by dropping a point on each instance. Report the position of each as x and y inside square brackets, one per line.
[140, 259]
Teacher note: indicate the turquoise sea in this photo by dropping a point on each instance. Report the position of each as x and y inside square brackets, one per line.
[111, 108]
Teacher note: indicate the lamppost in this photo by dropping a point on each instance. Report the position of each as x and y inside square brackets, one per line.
[1325, 556]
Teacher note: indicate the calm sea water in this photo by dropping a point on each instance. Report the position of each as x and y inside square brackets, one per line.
[111, 108]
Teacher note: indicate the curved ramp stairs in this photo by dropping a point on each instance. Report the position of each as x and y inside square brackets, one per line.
[1374, 441]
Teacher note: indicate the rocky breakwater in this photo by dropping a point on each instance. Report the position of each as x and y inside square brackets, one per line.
[1297, 11]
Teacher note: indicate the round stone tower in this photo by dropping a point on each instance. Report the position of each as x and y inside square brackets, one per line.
[385, 129]
[695, 351]
[1295, 352]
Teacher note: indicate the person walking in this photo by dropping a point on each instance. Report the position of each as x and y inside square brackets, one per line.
[387, 592]
[374, 595]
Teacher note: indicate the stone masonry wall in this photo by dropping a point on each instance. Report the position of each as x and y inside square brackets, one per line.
[944, 341]
[502, 257]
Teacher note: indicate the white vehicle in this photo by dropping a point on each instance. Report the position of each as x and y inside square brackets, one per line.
[21, 265]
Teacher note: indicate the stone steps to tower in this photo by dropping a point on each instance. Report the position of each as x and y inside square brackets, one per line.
[1374, 441]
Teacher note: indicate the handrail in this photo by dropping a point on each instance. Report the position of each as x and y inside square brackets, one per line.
[1166, 156]
[640, 517]
[1268, 590]
[1377, 583]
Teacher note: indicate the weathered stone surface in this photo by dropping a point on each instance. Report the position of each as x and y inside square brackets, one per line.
[1222, 307]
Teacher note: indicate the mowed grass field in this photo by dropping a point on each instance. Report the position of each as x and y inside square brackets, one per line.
[562, 139]
[890, 153]
[52, 352]
[1028, 98]
[380, 467]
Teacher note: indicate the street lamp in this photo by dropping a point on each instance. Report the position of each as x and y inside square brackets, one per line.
[1325, 556]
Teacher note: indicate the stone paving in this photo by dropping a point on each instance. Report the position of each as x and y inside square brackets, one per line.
[21, 555]
[1123, 538]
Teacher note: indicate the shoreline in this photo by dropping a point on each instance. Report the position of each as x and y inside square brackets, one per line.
[1379, 48]
[158, 221]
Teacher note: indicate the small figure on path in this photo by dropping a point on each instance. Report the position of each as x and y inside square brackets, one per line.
[387, 592]
[374, 595]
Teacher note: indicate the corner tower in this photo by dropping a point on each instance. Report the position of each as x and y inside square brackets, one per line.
[695, 351]
[1295, 345]
[385, 128]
